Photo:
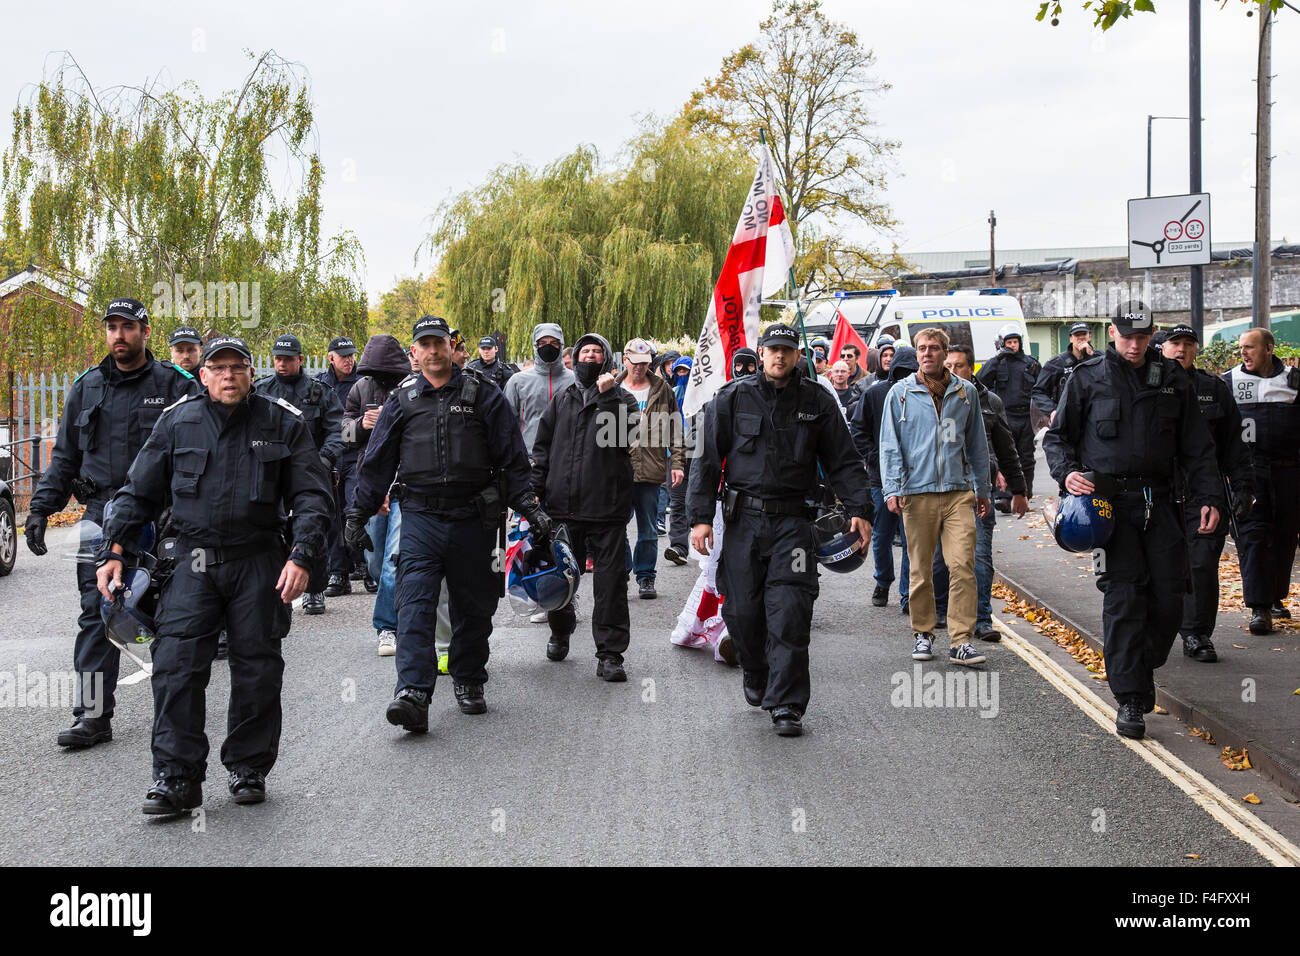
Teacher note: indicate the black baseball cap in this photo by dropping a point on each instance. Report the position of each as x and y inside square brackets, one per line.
[1182, 332]
[1133, 318]
[223, 342]
[488, 342]
[1079, 327]
[430, 325]
[185, 333]
[286, 345]
[343, 346]
[127, 309]
[780, 335]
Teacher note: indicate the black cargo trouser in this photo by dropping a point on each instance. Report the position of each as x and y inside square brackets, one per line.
[341, 557]
[1268, 535]
[94, 656]
[1023, 431]
[199, 602]
[1144, 578]
[767, 575]
[606, 544]
[1201, 603]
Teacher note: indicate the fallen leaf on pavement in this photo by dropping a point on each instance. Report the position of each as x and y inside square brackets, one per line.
[1251, 799]
[1160, 710]
[1191, 856]
[1236, 759]
[1203, 734]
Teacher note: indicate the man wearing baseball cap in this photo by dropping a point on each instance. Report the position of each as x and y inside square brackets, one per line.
[1047, 388]
[489, 365]
[345, 566]
[657, 450]
[1201, 603]
[323, 414]
[185, 345]
[230, 464]
[766, 435]
[108, 414]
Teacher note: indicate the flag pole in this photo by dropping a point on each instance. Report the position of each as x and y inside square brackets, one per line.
[794, 288]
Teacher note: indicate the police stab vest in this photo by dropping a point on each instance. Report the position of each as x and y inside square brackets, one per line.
[1268, 408]
[444, 438]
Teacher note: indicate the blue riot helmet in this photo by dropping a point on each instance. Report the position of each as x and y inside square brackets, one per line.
[1082, 523]
[540, 576]
[839, 547]
[129, 616]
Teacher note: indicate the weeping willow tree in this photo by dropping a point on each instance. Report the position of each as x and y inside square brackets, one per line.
[206, 210]
[629, 250]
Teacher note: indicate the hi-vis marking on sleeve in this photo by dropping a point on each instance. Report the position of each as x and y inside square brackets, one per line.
[180, 401]
[281, 402]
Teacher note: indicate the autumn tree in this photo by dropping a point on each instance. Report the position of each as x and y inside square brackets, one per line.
[207, 210]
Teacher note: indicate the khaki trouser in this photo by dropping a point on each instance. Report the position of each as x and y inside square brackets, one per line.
[928, 520]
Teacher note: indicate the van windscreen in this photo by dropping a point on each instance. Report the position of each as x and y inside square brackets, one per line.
[958, 332]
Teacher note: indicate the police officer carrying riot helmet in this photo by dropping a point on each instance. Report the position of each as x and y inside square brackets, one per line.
[452, 442]
[1124, 417]
[322, 411]
[109, 412]
[233, 463]
[766, 434]
[1201, 605]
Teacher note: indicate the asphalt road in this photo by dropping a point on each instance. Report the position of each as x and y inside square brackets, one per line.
[671, 767]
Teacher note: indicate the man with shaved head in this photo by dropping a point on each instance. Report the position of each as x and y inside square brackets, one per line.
[1265, 391]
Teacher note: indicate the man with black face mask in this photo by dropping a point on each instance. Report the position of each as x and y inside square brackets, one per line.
[583, 473]
[744, 362]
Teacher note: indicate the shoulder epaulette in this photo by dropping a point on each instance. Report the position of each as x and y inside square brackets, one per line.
[180, 401]
[409, 380]
[182, 371]
[83, 374]
[293, 408]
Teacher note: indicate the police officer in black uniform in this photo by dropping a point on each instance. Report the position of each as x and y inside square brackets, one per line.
[185, 345]
[766, 434]
[109, 412]
[452, 442]
[234, 463]
[341, 375]
[1267, 393]
[1126, 415]
[323, 413]
[489, 365]
[1201, 605]
[1051, 380]
[1010, 375]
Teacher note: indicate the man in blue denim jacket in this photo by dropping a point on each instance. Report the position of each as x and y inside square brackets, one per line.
[934, 469]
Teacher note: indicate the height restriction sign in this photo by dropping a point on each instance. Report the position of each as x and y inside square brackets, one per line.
[1169, 231]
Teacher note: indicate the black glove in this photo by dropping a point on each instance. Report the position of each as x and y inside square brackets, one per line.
[35, 534]
[83, 489]
[354, 532]
[1244, 503]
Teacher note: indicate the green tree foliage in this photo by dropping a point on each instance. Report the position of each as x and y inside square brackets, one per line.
[206, 210]
[407, 301]
[632, 250]
[1107, 13]
[806, 82]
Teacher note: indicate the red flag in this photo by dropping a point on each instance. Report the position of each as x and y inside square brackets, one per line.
[845, 334]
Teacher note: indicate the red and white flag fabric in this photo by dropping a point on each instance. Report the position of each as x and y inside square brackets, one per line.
[761, 254]
[700, 624]
[845, 334]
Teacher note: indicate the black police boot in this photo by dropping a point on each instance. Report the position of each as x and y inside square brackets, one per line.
[469, 698]
[647, 586]
[313, 604]
[1003, 505]
[941, 621]
[86, 732]
[1199, 647]
[410, 710]
[370, 584]
[1261, 622]
[358, 571]
[1279, 611]
[787, 721]
[754, 686]
[880, 596]
[557, 648]
[172, 795]
[1128, 719]
[339, 584]
[223, 646]
[247, 786]
[990, 634]
[610, 670]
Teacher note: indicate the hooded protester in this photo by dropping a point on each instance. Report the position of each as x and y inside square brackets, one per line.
[864, 426]
[530, 391]
[384, 364]
[744, 362]
[884, 358]
[582, 470]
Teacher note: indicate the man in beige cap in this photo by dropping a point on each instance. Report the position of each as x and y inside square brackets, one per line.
[658, 445]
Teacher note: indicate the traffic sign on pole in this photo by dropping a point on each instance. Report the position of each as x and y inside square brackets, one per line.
[1168, 231]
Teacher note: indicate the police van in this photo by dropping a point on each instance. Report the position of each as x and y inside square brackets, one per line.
[974, 317]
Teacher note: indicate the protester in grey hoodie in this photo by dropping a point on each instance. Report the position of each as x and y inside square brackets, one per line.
[530, 391]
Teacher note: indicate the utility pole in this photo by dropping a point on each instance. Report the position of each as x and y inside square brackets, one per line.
[1194, 147]
[1262, 273]
[993, 263]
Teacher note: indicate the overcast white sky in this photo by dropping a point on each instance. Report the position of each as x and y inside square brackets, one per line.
[994, 110]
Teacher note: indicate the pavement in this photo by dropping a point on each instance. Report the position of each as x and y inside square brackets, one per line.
[1250, 698]
[671, 767]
